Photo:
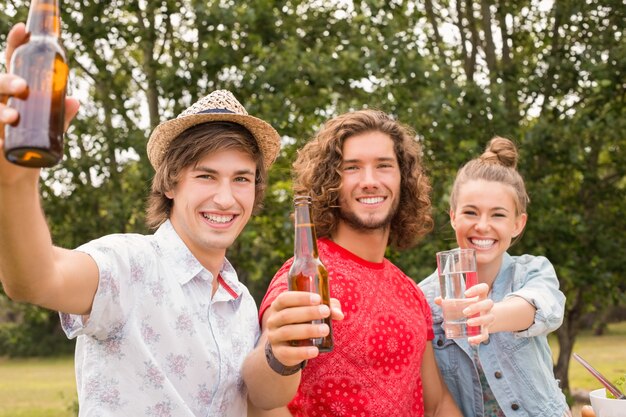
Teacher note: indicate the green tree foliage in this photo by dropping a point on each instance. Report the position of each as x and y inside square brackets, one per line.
[576, 156]
[549, 75]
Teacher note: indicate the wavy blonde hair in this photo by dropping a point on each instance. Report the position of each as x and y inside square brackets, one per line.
[317, 173]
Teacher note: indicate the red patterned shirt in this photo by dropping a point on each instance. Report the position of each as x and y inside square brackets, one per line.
[374, 368]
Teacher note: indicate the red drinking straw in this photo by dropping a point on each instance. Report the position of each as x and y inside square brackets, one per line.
[609, 386]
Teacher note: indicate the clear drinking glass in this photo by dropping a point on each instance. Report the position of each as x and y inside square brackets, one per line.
[457, 272]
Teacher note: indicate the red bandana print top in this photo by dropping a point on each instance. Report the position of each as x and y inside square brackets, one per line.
[374, 369]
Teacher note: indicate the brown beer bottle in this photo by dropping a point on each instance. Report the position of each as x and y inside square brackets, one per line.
[36, 140]
[307, 273]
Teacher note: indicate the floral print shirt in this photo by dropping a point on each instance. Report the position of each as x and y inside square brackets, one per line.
[156, 343]
[490, 403]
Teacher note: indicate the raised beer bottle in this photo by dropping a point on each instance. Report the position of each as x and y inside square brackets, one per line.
[307, 273]
[36, 140]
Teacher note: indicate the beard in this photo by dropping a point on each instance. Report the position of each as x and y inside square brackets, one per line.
[368, 224]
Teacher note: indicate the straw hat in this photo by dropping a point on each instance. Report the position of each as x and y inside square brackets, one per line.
[220, 106]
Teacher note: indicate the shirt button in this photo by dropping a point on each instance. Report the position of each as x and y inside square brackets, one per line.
[498, 374]
[439, 342]
[515, 406]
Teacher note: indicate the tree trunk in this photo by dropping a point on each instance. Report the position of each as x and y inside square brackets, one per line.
[432, 19]
[490, 47]
[566, 345]
[555, 50]
[467, 29]
[508, 71]
[566, 335]
[475, 38]
[147, 21]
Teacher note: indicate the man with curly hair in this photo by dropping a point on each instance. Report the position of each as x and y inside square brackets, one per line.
[369, 190]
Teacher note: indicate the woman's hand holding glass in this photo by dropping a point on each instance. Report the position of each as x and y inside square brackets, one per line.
[479, 312]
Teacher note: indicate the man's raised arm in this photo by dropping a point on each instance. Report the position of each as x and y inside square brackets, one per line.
[31, 268]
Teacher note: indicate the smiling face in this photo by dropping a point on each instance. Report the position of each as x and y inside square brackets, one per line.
[485, 219]
[213, 201]
[370, 183]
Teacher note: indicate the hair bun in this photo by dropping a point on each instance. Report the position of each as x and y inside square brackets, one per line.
[500, 151]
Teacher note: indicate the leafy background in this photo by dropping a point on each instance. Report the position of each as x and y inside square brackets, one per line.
[547, 74]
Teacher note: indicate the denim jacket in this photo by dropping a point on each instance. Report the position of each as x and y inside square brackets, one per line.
[517, 365]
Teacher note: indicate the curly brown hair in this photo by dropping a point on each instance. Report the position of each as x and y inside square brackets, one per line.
[317, 173]
[187, 150]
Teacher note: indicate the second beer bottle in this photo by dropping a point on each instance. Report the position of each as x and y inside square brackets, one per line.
[37, 138]
[307, 272]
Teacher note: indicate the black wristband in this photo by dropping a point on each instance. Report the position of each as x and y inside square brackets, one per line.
[277, 366]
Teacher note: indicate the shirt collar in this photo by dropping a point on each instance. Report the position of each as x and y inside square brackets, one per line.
[176, 255]
[178, 258]
[229, 281]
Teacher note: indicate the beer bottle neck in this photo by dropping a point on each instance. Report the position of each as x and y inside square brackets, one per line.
[44, 18]
[304, 243]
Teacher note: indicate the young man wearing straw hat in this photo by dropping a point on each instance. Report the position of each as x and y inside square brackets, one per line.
[162, 323]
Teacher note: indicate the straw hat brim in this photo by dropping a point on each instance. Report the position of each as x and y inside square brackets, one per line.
[266, 136]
